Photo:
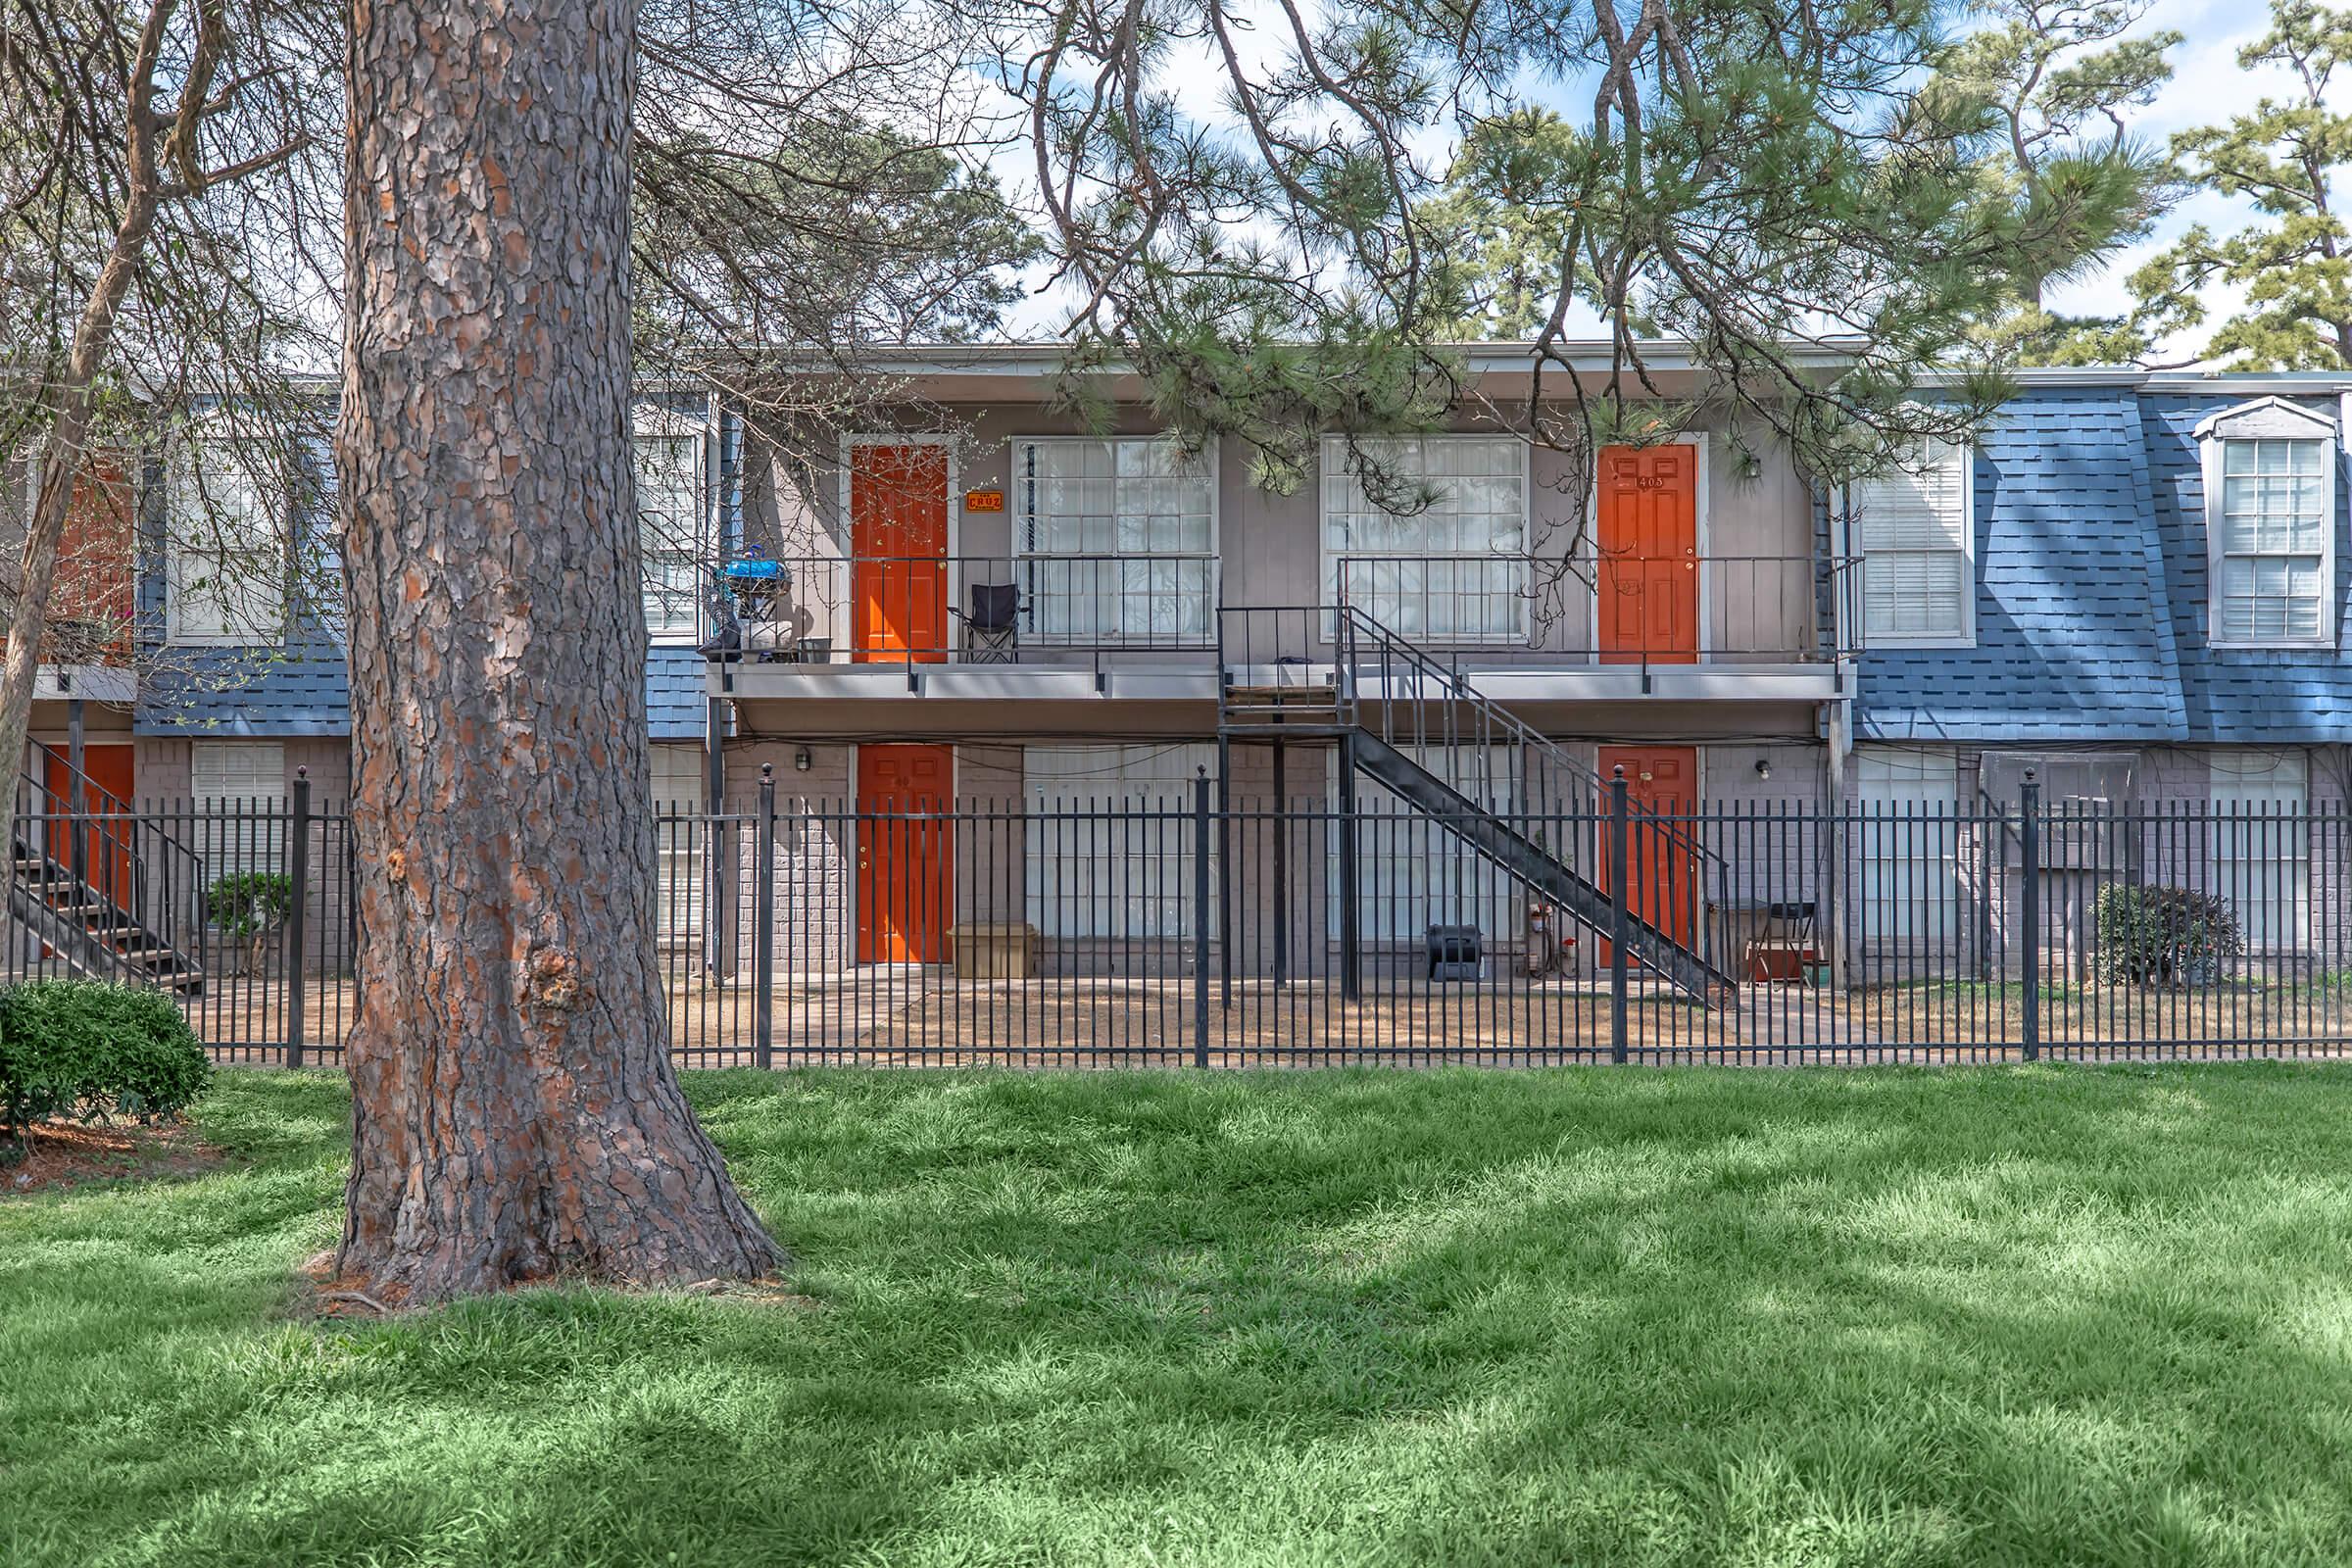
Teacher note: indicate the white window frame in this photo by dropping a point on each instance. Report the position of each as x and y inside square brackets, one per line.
[650, 423]
[1027, 558]
[328, 611]
[678, 845]
[2277, 420]
[1926, 835]
[2239, 817]
[1964, 455]
[181, 552]
[1150, 854]
[247, 833]
[1329, 561]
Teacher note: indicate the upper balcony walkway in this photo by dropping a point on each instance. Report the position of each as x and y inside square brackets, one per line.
[805, 641]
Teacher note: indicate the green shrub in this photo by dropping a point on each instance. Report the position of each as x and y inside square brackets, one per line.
[82, 1048]
[2164, 936]
[250, 903]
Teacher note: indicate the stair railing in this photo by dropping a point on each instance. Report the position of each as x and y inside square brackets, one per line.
[159, 880]
[1467, 718]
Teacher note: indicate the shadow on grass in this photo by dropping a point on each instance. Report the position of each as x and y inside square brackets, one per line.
[2031, 1316]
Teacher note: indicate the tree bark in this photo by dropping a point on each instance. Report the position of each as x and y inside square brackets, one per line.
[514, 1114]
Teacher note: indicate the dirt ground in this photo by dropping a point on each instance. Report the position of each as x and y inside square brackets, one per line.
[62, 1153]
[924, 1017]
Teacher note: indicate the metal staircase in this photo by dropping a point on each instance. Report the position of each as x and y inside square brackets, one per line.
[1395, 707]
[104, 893]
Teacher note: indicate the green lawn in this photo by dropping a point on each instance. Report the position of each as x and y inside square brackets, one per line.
[2028, 1316]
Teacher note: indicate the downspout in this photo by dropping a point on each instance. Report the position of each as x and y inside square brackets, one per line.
[1839, 743]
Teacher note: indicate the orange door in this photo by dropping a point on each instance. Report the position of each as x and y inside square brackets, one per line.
[899, 542]
[904, 865]
[106, 838]
[1662, 780]
[1647, 577]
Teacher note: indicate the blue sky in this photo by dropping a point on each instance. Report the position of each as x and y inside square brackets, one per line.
[2208, 87]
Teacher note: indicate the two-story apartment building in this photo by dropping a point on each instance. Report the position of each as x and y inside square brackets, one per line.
[990, 601]
[2133, 583]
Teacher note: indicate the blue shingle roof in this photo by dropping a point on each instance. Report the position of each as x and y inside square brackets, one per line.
[2073, 637]
[303, 691]
[2245, 695]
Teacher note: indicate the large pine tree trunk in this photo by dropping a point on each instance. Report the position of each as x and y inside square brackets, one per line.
[514, 1113]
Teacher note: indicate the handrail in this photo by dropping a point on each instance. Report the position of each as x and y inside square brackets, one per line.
[914, 609]
[166, 875]
[1494, 716]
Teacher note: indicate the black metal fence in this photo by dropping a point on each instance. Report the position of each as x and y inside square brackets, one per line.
[1168, 931]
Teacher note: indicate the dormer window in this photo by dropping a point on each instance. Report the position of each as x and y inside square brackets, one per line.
[2270, 526]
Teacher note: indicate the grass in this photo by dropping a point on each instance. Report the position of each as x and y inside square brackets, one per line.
[1885, 1317]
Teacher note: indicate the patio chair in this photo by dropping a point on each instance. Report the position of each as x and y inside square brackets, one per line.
[992, 627]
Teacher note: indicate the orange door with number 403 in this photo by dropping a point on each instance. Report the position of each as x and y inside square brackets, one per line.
[905, 865]
[899, 542]
[1661, 781]
[1647, 573]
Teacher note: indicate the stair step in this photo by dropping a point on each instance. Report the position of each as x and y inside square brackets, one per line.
[1505, 844]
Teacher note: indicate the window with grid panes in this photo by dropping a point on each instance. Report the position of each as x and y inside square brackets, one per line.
[1411, 870]
[1428, 534]
[1108, 839]
[1118, 540]
[2271, 547]
[239, 790]
[226, 550]
[671, 516]
[680, 796]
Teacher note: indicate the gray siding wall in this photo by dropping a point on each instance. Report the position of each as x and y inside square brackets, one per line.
[1757, 531]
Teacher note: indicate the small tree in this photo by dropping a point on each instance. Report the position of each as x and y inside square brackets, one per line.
[154, 199]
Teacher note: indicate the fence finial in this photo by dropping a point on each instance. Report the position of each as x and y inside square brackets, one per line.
[767, 772]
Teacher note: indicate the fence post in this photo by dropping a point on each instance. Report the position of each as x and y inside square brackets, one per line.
[2029, 854]
[1224, 868]
[1351, 982]
[1200, 919]
[1617, 915]
[764, 937]
[298, 872]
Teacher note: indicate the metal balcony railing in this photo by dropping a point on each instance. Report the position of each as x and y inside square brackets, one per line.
[1067, 610]
[964, 609]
